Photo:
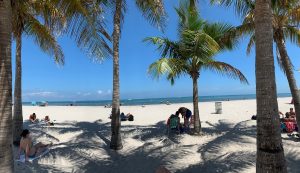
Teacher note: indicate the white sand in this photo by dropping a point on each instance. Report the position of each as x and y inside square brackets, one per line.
[81, 140]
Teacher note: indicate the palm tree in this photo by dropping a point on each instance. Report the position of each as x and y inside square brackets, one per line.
[6, 151]
[199, 42]
[25, 21]
[152, 10]
[270, 154]
[81, 20]
[285, 26]
[116, 141]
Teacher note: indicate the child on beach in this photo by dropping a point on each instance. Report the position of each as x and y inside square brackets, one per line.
[186, 114]
[177, 120]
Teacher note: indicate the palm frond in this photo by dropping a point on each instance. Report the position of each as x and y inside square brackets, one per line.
[188, 18]
[172, 68]
[250, 44]
[52, 16]
[225, 69]
[153, 10]
[166, 47]
[44, 38]
[294, 14]
[224, 34]
[86, 25]
[199, 44]
[292, 33]
[242, 7]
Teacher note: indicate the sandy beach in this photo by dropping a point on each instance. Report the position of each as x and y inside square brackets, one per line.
[81, 140]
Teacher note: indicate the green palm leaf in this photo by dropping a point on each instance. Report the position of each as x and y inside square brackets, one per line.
[44, 38]
[225, 69]
[153, 10]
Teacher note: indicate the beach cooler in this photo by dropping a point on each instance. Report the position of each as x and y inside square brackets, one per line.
[218, 107]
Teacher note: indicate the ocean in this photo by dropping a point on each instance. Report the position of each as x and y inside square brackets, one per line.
[153, 101]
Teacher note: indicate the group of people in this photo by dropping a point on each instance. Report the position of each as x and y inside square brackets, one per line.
[288, 121]
[123, 117]
[173, 121]
[34, 119]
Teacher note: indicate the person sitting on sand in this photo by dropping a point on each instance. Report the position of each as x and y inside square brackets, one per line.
[47, 121]
[123, 117]
[32, 118]
[186, 114]
[175, 116]
[26, 146]
[292, 113]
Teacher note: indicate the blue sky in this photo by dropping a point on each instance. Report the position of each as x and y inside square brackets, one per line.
[82, 79]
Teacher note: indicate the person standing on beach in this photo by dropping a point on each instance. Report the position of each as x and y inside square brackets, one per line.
[186, 115]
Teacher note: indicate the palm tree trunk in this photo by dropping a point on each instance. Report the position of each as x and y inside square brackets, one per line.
[6, 151]
[288, 68]
[116, 141]
[18, 114]
[197, 123]
[270, 153]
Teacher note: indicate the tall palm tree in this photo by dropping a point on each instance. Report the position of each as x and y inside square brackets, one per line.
[41, 20]
[270, 154]
[116, 141]
[6, 151]
[25, 20]
[153, 10]
[286, 19]
[199, 42]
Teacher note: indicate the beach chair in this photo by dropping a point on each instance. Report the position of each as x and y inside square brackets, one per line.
[173, 125]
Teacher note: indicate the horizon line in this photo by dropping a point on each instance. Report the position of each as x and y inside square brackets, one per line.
[150, 98]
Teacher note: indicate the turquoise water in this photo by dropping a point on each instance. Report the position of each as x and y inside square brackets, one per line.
[152, 101]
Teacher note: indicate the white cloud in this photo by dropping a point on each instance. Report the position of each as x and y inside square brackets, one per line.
[108, 91]
[86, 94]
[99, 91]
[40, 94]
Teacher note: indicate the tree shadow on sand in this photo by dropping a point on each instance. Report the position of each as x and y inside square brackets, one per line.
[88, 149]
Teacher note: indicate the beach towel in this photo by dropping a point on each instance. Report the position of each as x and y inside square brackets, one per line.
[31, 159]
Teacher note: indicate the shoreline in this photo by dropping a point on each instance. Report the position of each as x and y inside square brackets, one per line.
[156, 104]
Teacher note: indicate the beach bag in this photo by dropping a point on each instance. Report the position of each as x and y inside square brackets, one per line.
[130, 118]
